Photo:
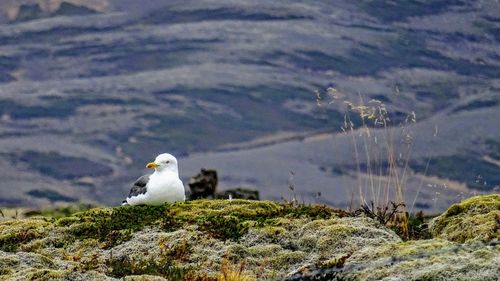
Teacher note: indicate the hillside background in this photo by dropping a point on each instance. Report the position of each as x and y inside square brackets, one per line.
[90, 91]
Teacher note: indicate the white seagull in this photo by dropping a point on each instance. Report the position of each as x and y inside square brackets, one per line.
[161, 186]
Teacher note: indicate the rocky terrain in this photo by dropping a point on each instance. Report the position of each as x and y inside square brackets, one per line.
[93, 90]
[249, 240]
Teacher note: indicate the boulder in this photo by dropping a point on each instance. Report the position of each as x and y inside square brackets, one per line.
[238, 193]
[474, 219]
[248, 240]
[203, 185]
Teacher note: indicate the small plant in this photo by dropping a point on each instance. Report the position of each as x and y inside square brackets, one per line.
[417, 226]
[381, 214]
[292, 201]
[228, 274]
[382, 146]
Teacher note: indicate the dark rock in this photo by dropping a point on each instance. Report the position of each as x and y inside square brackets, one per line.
[29, 12]
[238, 193]
[32, 12]
[68, 9]
[203, 185]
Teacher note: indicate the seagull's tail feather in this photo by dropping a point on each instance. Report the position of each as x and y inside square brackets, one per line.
[124, 203]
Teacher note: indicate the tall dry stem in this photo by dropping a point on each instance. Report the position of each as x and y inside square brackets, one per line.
[381, 156]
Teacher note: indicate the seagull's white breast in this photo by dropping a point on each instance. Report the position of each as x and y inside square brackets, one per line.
[162, 187]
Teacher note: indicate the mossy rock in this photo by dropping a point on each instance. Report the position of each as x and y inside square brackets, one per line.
[170, 241]
[213, 239]
[432, 259]
[16, 232]
[41, 274]
[474, 219]
[222, 218]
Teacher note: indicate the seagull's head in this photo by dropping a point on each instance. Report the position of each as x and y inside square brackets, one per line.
[164, 162]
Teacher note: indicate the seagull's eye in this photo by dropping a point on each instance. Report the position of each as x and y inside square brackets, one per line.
[167, 162]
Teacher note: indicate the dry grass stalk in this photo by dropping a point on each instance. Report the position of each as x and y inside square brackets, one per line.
[384, 154]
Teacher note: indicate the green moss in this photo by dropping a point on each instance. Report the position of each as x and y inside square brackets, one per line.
[287, 259]
[274, 230]
[266, 239]
[126, 266]
[65, 221]
[179, 251]
[236, 252]
[308, 242]
[433, 259]
[6, 272]
[40, 274]
[262, 251]
[45, 274]
[221, 218]
[409, 248]
[454, 210]
[417, 226]
[483, 254]
[113, 225]
[476, 218]
[337, 261]
[16, 232]
[7, 263]
[145, 277]
[335, 235]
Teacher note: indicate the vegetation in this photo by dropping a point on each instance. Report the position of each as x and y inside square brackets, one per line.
[381, 155]
[382, 144]
[218, 218]
[243, 240]
[474, 219]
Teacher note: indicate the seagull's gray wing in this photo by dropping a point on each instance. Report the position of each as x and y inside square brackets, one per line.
[139, 186]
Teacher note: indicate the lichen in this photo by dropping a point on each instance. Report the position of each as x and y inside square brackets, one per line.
[14, 233]
[223, 219]
[432, 259]
[37, 274]
[474, 219]
[220, 239]
[144, 277]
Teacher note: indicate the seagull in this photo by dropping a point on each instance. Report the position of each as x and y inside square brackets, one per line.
[161, 186]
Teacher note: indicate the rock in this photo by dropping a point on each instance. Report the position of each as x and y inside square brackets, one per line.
[69, 9]
[29, 12]
[433, 259]
[238, 193]
[474, 219]
[31, 266]
[203, 185]
[249, 240]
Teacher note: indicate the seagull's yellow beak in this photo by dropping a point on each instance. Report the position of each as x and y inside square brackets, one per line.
[152, 165]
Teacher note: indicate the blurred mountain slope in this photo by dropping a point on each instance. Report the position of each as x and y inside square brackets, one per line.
[94, 96]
